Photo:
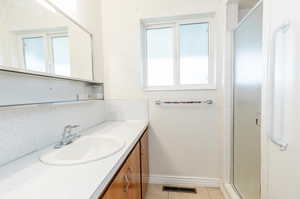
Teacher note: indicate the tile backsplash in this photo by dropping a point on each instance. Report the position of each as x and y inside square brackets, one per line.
[27, 130]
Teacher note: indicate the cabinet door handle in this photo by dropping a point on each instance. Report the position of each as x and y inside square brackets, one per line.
[129, 171]
[130, 177]
[126, 186]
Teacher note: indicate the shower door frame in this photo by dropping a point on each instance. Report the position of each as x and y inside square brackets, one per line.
[232, 156]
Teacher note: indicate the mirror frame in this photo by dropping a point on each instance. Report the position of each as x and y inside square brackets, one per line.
[43, 74]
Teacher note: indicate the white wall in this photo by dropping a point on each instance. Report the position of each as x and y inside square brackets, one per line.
[280, 169]
[126, 110]
[184, 141]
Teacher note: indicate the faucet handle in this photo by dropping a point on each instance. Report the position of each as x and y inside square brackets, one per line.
[77, 135]
[74, 126]
[68, 129]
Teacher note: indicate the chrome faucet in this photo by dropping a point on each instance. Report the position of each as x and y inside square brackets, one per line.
[68, 137]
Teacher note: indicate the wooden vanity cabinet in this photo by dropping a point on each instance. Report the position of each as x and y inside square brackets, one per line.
[131, 180]
[134, 174]
[144, 163]
[117, 189]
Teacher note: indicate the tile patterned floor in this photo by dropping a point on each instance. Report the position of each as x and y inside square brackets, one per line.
[155, 192]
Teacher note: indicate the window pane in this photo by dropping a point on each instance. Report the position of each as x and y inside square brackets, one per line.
[160, 53]
[34, 56]
[194, 52]
[61, 55]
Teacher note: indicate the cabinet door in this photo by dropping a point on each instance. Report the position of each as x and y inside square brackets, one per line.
[145, 162]
[127, 183]
[134, 174]
[119, 187]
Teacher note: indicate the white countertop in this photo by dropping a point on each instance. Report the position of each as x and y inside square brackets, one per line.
[30, 179]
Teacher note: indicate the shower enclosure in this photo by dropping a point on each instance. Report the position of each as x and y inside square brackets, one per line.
[247, 105]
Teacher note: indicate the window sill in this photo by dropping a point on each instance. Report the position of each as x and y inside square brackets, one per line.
[180, 88]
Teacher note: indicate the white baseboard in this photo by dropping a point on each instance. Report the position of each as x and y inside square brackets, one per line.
[184, 181]
[229, 192]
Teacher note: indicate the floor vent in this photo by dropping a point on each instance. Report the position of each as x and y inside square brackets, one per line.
[179, 189]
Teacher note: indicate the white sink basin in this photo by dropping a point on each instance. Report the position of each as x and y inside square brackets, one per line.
[84, 150]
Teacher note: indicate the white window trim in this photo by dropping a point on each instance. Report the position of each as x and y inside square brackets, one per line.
[48, 49]
[21, 47]
[175, 23]
[51, 50]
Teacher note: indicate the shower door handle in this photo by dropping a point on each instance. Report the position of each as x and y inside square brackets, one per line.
[280, 141]
[258, 120]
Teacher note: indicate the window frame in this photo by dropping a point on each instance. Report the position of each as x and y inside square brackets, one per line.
[48, 47]
[51, 49]
[175, 24]
[21, 48]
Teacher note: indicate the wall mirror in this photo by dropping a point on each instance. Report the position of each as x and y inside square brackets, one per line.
[37, 38]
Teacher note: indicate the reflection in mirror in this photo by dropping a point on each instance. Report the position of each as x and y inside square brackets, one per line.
[35, 37]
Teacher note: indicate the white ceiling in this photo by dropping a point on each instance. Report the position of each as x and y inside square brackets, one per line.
[244, 4]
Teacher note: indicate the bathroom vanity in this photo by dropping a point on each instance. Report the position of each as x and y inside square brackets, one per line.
[131, 180]
[122, 175]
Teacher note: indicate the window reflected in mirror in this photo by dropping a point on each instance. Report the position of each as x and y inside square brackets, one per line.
[48, 52]
[35, 37]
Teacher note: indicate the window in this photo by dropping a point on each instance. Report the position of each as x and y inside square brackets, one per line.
[61, 55]
[178, 55]
[47, 52]
[160, 60]
[194, 53]
[34, 57]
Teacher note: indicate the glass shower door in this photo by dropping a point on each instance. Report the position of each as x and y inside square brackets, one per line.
[247, 105]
